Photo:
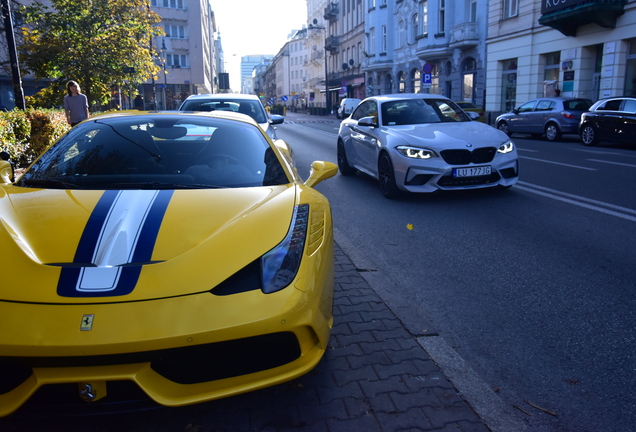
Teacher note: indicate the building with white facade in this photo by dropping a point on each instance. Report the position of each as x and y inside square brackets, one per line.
[583, 48]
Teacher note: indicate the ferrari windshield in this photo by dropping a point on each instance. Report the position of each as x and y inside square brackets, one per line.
[158, 152]
[418, 111]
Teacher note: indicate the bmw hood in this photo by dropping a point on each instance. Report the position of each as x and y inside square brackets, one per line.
[80, 246]
[448, 135]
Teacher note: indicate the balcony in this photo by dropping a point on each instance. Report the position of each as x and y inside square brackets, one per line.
[428, 51]
[567, 17]
[332, 44]
[464, 35]
[331, 11]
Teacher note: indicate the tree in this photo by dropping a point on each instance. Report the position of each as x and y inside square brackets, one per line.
[99, 43]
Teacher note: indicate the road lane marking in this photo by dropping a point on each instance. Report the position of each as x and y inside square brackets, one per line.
[558, 163]
[613, 163]
[588, 203]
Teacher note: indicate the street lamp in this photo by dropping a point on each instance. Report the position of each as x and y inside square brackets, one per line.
[317, 27]
[165, 74]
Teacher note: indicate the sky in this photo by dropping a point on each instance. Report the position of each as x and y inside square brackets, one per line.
[254, 27]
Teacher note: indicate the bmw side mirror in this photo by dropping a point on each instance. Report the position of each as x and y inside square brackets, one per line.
[368, 121]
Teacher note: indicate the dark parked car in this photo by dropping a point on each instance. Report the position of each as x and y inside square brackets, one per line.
[612, 119]
[551, 117]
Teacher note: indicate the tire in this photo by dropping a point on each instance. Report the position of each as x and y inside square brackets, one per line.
[343, 163]
[503, 126]
[588, 135]
[552, 132]
[388, 187]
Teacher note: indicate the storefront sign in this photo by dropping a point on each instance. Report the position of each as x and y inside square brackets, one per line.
[548, 6]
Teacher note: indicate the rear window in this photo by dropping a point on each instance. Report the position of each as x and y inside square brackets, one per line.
[577, 104]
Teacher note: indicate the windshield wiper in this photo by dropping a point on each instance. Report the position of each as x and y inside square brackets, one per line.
[160, 185]
[48, 183]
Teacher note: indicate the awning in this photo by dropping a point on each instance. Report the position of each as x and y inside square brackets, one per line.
[601, 12]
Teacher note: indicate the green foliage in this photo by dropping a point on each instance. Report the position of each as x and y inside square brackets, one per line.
[49, 97]
[26, 134]
[92, 42]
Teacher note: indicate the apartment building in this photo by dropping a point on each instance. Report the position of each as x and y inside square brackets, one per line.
[187, 53]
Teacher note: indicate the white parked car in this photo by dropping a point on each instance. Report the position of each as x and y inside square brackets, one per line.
[424, 143]
[247, 104]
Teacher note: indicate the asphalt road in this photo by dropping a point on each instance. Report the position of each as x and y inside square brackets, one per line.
[532, 287]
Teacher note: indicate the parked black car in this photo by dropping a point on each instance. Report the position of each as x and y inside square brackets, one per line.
[612, 119]
[549, 116]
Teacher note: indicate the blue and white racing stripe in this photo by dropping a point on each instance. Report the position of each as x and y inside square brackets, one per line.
[117, 241]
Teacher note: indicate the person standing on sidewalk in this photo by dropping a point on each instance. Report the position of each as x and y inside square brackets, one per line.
[75, 104]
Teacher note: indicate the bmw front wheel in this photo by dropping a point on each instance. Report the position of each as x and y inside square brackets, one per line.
[387, 177]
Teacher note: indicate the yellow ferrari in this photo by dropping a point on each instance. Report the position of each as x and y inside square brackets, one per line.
[178, 252]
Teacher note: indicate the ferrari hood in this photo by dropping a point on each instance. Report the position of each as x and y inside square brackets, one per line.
[125, 245]
[449, 135]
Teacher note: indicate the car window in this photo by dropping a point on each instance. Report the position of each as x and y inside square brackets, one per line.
[168, 152]
[610, 105]
[527, 107]
[465, 105]
[545, 105]
[577, 104]
[252, 108]
[420, 111]
[629, 106]
[365, 109]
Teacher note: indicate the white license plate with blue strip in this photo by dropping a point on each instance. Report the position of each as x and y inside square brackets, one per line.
[472, 171]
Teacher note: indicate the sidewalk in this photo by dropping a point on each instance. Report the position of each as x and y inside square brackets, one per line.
[374, 377]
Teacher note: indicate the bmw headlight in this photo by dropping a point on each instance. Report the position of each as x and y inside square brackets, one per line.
[416, 152]
[506, 147]
[280, 265]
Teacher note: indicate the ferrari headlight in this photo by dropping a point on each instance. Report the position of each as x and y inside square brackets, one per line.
[416, 153]
[506, 147]
[280, 265]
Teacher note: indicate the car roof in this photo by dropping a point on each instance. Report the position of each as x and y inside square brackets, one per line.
[222, 96]
[402, 96]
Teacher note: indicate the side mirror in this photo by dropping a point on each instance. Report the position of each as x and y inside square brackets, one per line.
[368, 121]
[320, 170]
[276, 119]
[473, 115]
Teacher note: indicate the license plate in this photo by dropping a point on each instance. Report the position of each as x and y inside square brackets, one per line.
[472, 171]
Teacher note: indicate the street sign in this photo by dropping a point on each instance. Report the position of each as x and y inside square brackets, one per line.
[427, 79]
[427, 68]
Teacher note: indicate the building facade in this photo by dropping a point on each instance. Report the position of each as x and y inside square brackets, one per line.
[582, 48]
[187, 53]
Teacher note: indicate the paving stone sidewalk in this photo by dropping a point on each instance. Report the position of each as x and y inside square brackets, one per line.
[374, 377]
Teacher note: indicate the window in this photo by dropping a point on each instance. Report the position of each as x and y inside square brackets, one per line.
[441, 25]
[415, 27]
[423, 18]
[401, 34]
[401, 82]
[371, 46]
[472, 11]
[510, 8]
[469, 67]
[172, 4]
[384, 41]
[416, 80]
[176, 60]
[174, 31]
[545, 105]
[509, 85]
[371, 4]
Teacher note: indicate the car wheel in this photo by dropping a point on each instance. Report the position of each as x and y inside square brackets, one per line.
[588, 135]
[343, 163]
[552, 132]
[503, 126]
[387, 177]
